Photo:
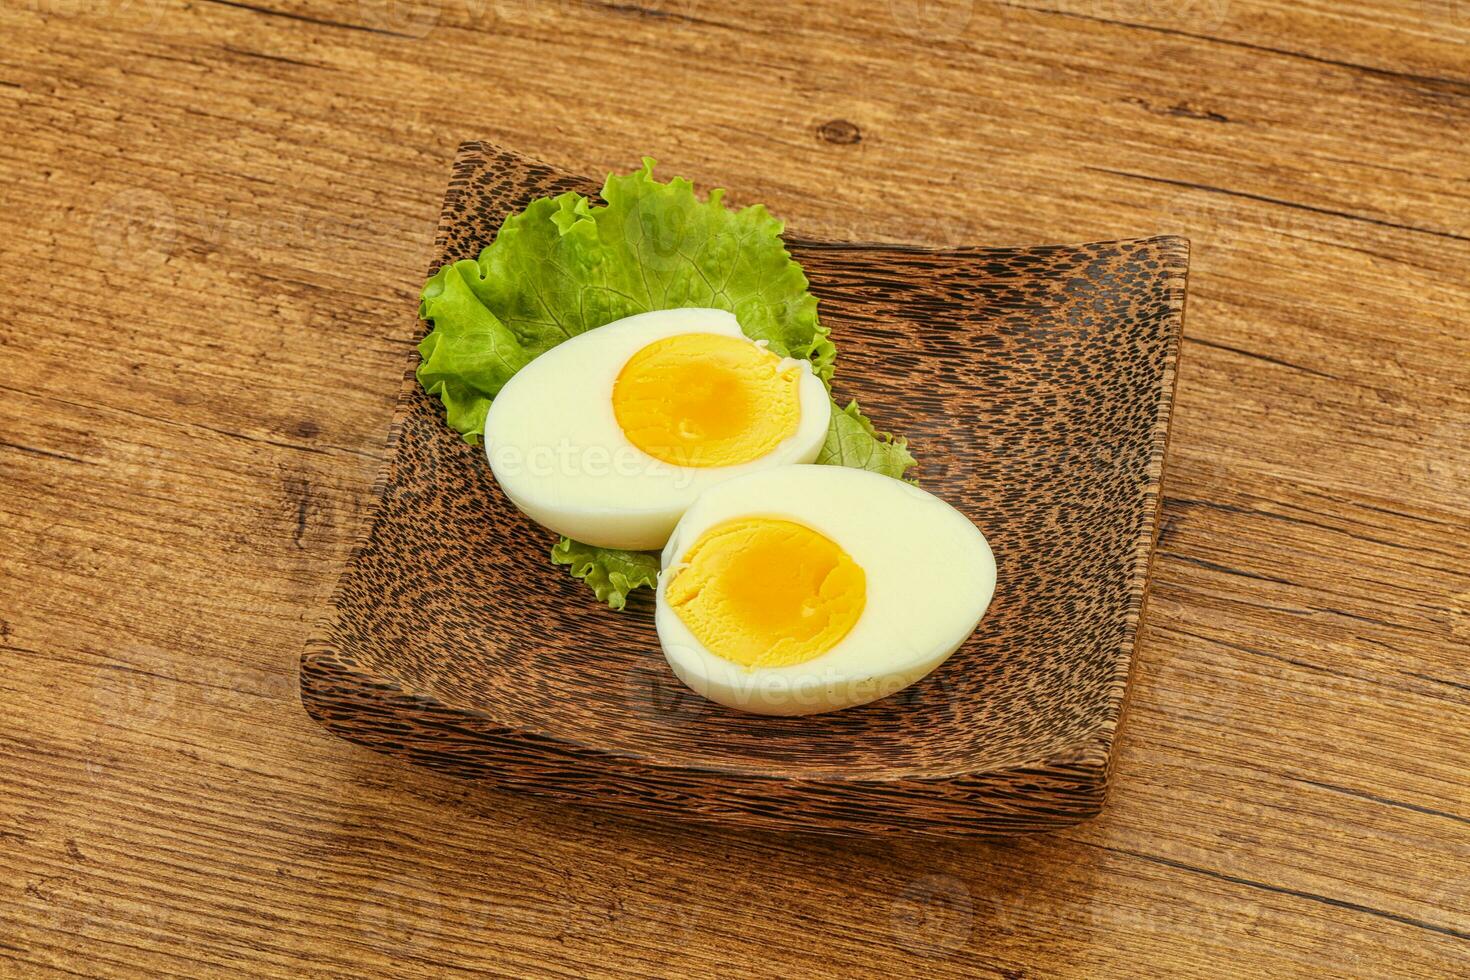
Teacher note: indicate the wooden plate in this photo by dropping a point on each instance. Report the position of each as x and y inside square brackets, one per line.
[1034, 385]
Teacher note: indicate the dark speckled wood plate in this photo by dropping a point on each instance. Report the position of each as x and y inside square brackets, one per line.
[1034, 385]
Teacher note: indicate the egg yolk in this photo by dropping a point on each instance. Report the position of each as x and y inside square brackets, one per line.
[703, 399]
[767, 593]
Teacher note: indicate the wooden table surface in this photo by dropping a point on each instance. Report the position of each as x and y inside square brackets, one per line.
[216, 215]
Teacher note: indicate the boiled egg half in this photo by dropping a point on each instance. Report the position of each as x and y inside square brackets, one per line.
[611, 435]
[803, 589]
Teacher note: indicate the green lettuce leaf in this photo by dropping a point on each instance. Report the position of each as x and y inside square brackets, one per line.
[470, 354]
[610, 573]
[853, 441]
[565, 265]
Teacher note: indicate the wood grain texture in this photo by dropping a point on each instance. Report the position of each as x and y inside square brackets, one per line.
[209, 207]
[1035, 383]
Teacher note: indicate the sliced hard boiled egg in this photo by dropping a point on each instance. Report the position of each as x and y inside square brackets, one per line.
[803, 589]
[609, 436]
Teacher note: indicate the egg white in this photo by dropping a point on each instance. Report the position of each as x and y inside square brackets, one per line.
[557, 450]
[930, 577]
